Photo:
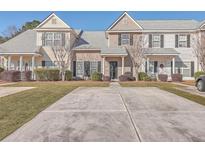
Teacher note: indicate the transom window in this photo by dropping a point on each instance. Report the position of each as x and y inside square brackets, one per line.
[156, 41]
[125, 39]
[53, 39]
[183, 40]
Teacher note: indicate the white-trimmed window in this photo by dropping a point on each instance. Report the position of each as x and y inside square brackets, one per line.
[125, 39]
[182, 40]
[53, 39]
[79, 68]
[57, 39]
[156, 41]
[48, 39]
[93, 66]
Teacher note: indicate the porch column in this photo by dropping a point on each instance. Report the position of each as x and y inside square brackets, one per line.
[173, 65]
[32, 66]
[147, 65]
[20, 63]
[123, 64]
[103, 65]
[9, 63]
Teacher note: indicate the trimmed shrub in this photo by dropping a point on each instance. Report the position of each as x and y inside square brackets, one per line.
[147, 78]
[53, 74]
[41, 74]
[44, 74]
[12, 76]
[26, 76]
[197, 74]
[106, 78]
[163, 77]
[68, 75]
[1, 69]
[127, 76]
[123, 78]
[143, 76]
[176, 77]
[96, 76]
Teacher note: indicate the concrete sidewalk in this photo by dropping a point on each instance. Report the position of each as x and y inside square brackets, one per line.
[117, 114]
[5, 91]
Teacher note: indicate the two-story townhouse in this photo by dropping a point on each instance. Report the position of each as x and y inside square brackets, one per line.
[168, 47]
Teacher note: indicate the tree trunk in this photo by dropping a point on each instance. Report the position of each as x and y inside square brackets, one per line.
[63, 76]
[136, 74]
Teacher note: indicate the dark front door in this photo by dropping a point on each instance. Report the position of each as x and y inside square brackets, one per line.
[113, 70]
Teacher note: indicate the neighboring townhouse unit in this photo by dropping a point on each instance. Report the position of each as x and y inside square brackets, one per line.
[168, 46]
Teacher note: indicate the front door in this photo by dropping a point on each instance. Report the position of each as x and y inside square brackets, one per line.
[113, 70]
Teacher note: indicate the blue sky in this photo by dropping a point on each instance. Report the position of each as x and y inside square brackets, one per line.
[90, 20]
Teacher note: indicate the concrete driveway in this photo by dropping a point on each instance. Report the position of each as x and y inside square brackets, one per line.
[117, 114]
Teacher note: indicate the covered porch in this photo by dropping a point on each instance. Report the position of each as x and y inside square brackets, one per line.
[114, 62]
[160, 61]
[22, 62]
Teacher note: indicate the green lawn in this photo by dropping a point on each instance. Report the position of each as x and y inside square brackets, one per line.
[167, 87]
[19, 108]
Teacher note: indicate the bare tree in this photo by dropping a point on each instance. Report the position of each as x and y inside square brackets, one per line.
[199, 48]
[10, 31]
[63, 56]
[137, 53]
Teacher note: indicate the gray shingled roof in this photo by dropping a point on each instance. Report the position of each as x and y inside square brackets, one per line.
[161, 51]
[97, 40]
[113, 51]
[92, 40]
[168, 24]
[22, 43]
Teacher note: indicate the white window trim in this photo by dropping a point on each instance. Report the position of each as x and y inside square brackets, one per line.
[53, 39]
[182, 41]
[156, 41]
[125, 39]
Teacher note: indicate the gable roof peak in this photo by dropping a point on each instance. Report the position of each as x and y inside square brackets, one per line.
[49, 17]
[120, 17]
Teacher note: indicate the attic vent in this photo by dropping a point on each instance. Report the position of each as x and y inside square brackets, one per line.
[54, 21]
[124, 21]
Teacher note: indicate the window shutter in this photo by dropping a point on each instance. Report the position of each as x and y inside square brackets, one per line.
[43, 39]
[176, 41]
[119, 39]
[192, 69]
[171, 67]
[155, 66]
[146, 67]
[63, 39]
[188, 41]
[99, 66]
[74, 68]
[150, 40]
[162, 41]
[131, 39]
[43, 63]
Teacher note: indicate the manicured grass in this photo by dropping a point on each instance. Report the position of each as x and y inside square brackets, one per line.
[19, 108]
[167, 87]
[189, 82]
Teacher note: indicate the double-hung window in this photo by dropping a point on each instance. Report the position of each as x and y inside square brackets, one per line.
[52, 39]
[48, 39]
[125, 39]
[156, 41]
[183, 40]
